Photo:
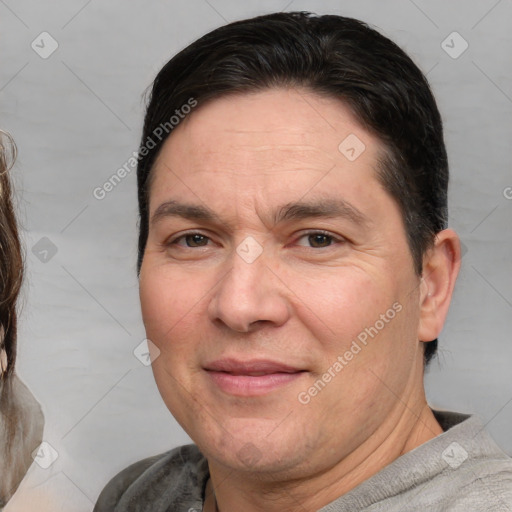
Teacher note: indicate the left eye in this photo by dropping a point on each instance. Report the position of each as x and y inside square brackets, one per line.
[318, 239]
[192, 240]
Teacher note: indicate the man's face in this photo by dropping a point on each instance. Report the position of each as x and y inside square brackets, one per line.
[287, 319]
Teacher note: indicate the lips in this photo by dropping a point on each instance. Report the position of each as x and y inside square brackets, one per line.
[261, 367]
[251, 377]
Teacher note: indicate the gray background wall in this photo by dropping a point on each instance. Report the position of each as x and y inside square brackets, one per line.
[76, 116]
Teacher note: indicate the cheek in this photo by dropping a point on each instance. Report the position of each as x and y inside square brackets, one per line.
[368, 320]
[345, 302]
[167, 301]
[170, 306]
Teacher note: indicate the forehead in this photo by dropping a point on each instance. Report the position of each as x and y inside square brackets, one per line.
[268, 143]
[293, 117]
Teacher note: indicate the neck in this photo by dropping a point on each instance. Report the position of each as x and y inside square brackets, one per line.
[405, 429]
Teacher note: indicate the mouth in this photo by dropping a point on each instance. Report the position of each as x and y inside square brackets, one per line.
[252, 377]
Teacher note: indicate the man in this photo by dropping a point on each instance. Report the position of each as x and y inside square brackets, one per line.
[295, 272]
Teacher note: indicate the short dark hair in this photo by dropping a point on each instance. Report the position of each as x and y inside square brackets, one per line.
[330, 55]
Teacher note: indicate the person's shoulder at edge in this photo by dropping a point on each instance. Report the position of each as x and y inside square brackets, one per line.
[484, 485]
[460, 470]
[157, 479]
[476, 470]
[484, 476]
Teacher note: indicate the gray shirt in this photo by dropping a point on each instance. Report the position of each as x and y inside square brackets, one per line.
[461, 470]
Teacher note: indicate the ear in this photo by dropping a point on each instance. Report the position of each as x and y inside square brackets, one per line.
[441, 266]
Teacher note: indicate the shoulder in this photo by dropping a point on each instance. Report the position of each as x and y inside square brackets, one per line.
[163, 480]
[477, 474]
[483, 485]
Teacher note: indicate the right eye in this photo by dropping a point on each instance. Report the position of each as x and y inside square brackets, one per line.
[190, 240]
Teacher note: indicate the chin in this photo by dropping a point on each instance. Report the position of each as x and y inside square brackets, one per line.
[251, 446]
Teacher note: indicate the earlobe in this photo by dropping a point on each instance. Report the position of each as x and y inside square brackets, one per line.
[440, 269]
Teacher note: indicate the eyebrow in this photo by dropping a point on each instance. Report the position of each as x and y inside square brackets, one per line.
[300, 210]
[185, 211]
[328, 208]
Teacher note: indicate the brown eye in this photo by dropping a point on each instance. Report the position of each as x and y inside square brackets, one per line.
[319, 240]
[189, 240]
[195, 240]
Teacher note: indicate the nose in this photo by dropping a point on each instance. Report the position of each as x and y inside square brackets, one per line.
[249, 295]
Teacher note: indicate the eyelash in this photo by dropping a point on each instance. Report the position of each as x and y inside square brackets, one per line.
[332, 238]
